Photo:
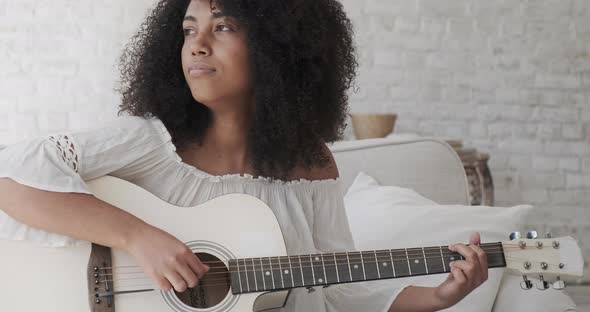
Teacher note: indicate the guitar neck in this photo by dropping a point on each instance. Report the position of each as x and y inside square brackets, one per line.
[279, 273]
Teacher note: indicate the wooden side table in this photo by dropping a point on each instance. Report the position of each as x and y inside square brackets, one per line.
[481, 185]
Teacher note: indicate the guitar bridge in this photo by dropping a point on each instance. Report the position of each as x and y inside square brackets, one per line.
[100, 279]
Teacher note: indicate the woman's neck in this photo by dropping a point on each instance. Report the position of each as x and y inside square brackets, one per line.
[224, 148]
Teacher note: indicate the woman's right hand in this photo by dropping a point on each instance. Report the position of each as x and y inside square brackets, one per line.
[165, 259]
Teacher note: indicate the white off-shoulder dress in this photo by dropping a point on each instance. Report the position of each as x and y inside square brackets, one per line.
[311, 214]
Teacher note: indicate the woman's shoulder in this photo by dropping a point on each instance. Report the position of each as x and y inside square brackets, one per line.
[328, 171]
[121, 127]
[127, 121]
[129, 133]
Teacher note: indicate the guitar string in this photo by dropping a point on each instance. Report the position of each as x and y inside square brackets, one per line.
[277, 269]
[229, 285]
[489, 250]
[493, 245]
[380, 255]
[255, 271]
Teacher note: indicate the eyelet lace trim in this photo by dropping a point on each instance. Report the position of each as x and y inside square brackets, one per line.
[66, 150]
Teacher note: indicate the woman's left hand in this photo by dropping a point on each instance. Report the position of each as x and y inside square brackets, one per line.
[466, 275]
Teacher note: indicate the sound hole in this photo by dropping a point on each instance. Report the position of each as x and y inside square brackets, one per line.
[212, 289]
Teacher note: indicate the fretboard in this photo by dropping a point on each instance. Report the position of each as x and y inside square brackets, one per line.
[278, 273]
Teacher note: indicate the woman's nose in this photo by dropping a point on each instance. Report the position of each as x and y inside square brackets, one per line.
[201, 45]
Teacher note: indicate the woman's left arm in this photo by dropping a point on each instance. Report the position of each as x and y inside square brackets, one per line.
[466, 275]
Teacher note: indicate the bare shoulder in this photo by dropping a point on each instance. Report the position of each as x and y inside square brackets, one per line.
[328, 171]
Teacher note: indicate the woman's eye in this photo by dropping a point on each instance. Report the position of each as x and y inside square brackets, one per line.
[222, 27]
[186, 31]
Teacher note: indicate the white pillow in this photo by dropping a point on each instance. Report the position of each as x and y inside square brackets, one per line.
[387, 194]
[383, 217]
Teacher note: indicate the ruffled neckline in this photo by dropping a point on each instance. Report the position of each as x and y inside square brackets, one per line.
[232, 176]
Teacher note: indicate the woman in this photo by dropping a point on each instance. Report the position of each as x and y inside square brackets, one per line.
[225, 96]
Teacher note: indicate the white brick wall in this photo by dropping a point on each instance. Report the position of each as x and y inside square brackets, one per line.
[511, 77]
[57, 61]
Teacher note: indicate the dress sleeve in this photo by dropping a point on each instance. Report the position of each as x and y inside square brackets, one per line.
[126, 148]
[332, 234]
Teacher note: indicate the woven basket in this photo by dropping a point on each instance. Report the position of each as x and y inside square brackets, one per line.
[368, 126]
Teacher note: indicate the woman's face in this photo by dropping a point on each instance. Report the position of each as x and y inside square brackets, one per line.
[214, 55]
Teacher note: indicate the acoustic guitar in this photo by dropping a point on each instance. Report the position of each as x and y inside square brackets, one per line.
[250, 269]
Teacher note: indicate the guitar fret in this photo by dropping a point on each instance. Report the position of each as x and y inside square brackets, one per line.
[271, 273]
[377, 264]
[384, 264]
[349, 270]
[300, 267]
[363, 264]
[336, 266]
[246, 273]
[408, 259]
[371, 265]
[330, 268]
[435, 264]
[281, 272]
[287, 276]
[495, 259]
[357, 270]
[342, 267]
[239, 276]
[312, 268]
[320, 276]
[442, 258]
[324, 267]
[277, 274]
[235, 276]
[263, 275]
[258, 274]
[392, 263]
[425, 264]
[296, 271]
[308, 271]
[291, 272]
[417, 263]
[254, 271]
[400, 260]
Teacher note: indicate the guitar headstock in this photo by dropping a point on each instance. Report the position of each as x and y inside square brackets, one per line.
[549, 259]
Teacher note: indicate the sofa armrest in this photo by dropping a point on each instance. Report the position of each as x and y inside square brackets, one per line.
[428, 165]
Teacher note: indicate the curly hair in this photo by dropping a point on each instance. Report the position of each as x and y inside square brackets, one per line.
[303, 59]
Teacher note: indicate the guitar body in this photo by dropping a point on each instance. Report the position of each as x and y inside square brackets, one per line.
[228, 227]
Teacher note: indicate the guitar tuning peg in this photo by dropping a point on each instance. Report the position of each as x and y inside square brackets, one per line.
[532, 235]
[548, 235]
[526, 284]
[558, 284]
[514, 235]
[543, 284]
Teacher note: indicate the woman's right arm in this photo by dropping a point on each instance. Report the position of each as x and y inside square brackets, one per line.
[43, 196]
[76, 215]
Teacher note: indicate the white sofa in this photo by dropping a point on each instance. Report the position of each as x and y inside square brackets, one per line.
[432, 168]
[429, 166]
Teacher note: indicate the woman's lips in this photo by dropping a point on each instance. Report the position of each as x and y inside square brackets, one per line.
[200, 72]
